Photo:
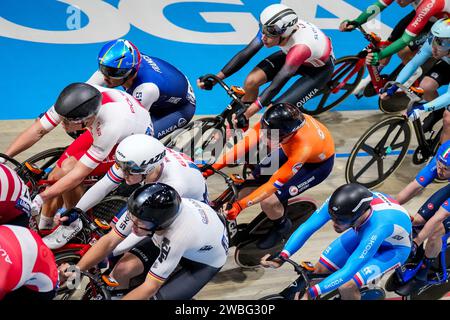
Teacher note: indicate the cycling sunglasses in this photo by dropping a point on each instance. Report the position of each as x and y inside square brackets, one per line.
[271, 31]
[114, 73]
[442, 42]
[130, 167]
[149, 226]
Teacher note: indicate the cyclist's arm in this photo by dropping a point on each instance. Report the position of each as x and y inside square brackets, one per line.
[278, 179]
[438, 103]
[424, 12]
[97, 79]
[100, 190]
[372, 11]
[307, 229]
[250, 140]
[366, 249]
[100, 250]
[409, 192]
[244, 56]
[99, 150]
[47, 122]
[296, 56]
[419, 59]
[147, 94]
[435, 221]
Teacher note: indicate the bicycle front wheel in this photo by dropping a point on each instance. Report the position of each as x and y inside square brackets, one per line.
[379, 152]
[203, 139]
[346, 77]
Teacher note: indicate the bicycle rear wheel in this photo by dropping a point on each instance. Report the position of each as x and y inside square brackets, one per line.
[379, 152]
[203, 140]
[327, 99]
[248, 255]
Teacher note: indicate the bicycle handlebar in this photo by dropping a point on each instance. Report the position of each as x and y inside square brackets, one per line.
[410, 94]
[229, 91]
[228, 180]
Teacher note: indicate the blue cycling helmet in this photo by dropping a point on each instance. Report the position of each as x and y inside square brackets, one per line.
[119, 59]
[443, 153]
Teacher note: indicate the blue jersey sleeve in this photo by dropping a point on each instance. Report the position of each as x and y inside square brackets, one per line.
[438, 103]
[302, 234]
[419, 59]
[427, 174]
[366, 249]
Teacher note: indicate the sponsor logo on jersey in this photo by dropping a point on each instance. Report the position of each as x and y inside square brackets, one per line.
[368, 246]
[421, 179]
[182, 122]
[293, 190]
[334, 283]
[307, 97]
[165, 249]
[296, 167]
[152, 64]
[423, 13]
[445, 203]
[397, 237]
[430, 206]
[5, 255]
[205, 248]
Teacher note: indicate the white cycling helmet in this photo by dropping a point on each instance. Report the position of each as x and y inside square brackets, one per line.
[441, 33]
[139, 154]
[278, 20]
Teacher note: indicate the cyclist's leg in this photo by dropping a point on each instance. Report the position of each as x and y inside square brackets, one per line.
[185, 283]
[385, 260]
[135, 263]
[312, 81]
[166, 121]
[263, 72]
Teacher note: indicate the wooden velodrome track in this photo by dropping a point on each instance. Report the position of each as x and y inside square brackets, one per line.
[236, 283]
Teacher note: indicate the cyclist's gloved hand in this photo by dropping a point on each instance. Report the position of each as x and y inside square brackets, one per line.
[205, 84]
[275, 260]
[390, 90]
[234, 211]
[348, 25]
[373, 58]
[241, 120]
[69, 216]
[415, 111]
[207, 173]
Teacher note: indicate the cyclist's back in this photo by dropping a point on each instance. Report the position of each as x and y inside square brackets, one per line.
[171, 83]
[26, 262]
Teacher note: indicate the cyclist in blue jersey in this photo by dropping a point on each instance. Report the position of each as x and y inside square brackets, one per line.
[438, 47]
[434, 214]
[377, 240]
[159, 86]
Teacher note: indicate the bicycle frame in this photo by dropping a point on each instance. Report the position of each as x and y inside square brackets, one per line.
[374, 45]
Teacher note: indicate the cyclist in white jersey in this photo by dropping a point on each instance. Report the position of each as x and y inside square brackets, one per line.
[109, 115]
[139, 159]
[184, 232]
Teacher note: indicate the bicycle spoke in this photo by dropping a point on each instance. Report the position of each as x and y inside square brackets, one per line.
[385, 137]
[364, 169]
[370, 150]
[396, 137]
[380, 166]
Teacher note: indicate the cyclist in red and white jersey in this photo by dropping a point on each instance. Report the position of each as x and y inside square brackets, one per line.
[305, 50]
[109, 115]
[15, 201]
[27, 267]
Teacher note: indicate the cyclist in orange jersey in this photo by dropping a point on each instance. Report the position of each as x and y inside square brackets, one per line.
[302, 157]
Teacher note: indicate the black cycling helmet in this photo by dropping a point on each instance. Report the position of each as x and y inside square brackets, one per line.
[284, 117]
[349, 202]
[78, 101]
[157, 203]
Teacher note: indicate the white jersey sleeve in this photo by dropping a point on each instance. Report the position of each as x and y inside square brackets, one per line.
[106, 136]
[169, 256]
[50, 119]
[97, 79]
[100, 190]
[146, 93]
[123, 225]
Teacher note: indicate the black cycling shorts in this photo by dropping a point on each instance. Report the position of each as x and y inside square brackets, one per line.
[440, 72]
[24, 294]
[400, 28]
[431, 206]
[312, 81]
[187, 279]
